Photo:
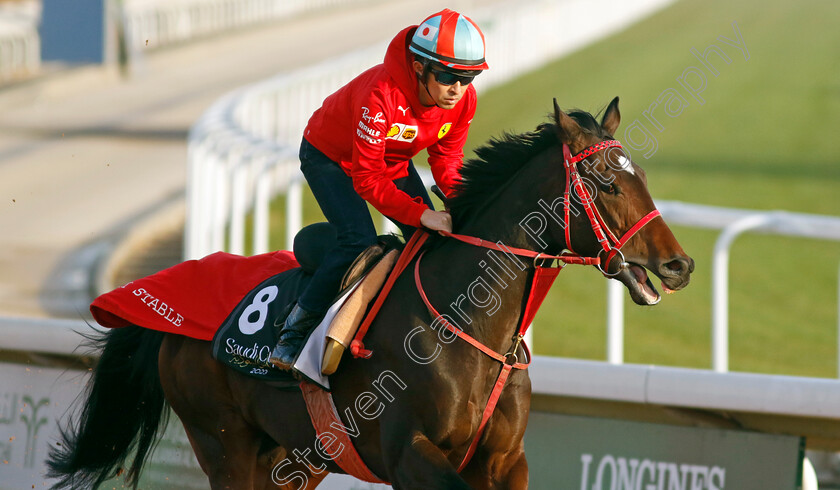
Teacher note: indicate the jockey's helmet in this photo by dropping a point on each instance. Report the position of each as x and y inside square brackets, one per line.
[450, 39]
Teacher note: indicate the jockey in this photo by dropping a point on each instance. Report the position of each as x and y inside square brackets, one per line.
[357, 149]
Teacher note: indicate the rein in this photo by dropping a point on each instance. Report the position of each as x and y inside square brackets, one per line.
[566, 258]
[541, 281]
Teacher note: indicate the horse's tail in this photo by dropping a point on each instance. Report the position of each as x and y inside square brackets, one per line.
[123, 410]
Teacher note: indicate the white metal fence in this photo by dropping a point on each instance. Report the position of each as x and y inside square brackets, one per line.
[732, 223]
[20, 50]
[20, 46]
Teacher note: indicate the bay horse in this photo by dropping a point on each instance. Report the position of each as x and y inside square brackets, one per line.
[416, 404]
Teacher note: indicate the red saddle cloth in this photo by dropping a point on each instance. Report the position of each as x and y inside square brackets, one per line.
[192, 298]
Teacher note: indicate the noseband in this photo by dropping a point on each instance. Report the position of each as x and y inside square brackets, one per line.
[609, 243]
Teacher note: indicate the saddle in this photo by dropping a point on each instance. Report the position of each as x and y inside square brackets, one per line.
[247, 350]
[375, 265]
[361, 284]
[313, 242]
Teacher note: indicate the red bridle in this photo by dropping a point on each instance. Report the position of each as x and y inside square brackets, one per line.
[606, 238]
[609, 243]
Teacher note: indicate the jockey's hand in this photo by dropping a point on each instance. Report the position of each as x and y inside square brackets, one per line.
[436, 220]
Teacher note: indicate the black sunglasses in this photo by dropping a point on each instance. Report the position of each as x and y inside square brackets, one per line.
[449, 78]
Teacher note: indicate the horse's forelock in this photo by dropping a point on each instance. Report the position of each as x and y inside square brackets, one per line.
[589, 124]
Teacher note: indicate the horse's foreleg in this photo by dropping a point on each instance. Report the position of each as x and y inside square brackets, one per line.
[274, 473]
[499, 463]
[498, 471]
[300, 477]
[422, 465]
[517, 476]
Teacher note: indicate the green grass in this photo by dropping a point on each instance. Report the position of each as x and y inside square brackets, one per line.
[764, 138]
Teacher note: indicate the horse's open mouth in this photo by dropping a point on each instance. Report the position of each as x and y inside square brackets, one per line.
[636, 279]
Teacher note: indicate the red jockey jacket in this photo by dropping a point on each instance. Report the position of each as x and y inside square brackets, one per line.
[373, 125]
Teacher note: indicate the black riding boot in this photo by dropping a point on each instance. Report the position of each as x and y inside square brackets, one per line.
[294, 331]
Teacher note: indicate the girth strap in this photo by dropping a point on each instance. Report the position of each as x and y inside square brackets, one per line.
[325, 419]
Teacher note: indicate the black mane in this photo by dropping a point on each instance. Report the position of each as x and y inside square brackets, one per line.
[500, 159]
[495, 164]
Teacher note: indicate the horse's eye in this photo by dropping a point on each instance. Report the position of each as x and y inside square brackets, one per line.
[608, 188]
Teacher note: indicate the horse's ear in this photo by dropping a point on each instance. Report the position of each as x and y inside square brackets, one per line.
[612, 118]
[568, 130]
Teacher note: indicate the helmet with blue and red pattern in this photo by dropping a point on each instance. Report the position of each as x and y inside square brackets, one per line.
[451, 39]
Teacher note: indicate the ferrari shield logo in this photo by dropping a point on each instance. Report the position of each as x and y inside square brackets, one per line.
[443, 130]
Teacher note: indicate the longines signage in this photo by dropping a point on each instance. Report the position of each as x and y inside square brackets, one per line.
[581, 453]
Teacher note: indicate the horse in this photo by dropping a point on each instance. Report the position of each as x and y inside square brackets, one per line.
[414, 407]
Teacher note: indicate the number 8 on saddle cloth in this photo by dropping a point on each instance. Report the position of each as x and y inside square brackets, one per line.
[245, 339]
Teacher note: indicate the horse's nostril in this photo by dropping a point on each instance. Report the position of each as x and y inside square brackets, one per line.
[679, 266]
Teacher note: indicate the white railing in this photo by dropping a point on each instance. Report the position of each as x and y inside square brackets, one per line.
[20, 50]
[732, 223]
[43, 335]
[243, 150]
[242, 153]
